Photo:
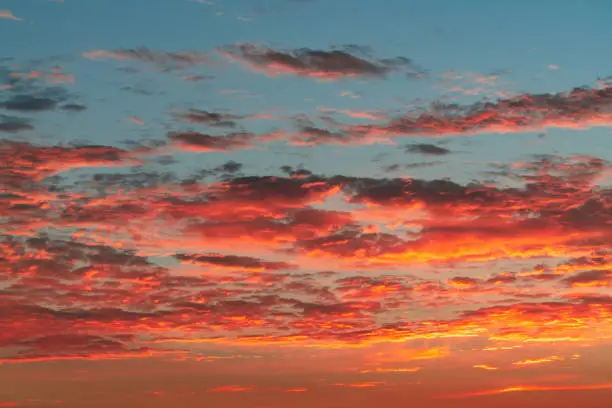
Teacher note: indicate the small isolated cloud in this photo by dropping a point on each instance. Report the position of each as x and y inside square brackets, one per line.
[196, 78]
[231, 388]
[229, 167]
[168, 60]
[485, 367]
[136, 120]
[8, 15]
[327, 65]
[426, 148]
[196, 141]
[73, 107]
[207, 118]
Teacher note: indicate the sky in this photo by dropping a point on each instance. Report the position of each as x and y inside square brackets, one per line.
[305, 203]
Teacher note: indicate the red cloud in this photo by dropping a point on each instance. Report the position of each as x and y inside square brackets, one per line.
[580, 108]
[59, 288]
[233, 261]
[23, 161]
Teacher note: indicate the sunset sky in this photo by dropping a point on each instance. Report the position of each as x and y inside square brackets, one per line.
[305, 203]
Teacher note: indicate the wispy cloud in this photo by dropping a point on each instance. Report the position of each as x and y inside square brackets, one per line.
[163, 59]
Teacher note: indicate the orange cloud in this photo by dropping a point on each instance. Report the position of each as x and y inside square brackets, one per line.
[485, 367]
[543, 360]
[392, 370]
[360, 384]
[230, 388]
[528, 388]
[401, 355]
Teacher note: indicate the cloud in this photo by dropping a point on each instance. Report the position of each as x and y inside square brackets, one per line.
[485, 221]
[208, 118]
[136, 120]
[359, 114]
[485, 367]
[463, 282]
[427, 149]
[23, 162]
[392, 370]
[534, 361]
[156, 301]
[577, 109]
[196, 78]
[297, 389]
[229, 167]
[28, 103]
[296, 258]
[368, 384]
[305, 62]
[168, 60]
[73, 107]
[233, 261]
[200, 142]
[230, 388]
[6, 14]
[12, 124]
[50, 78]
[595, 278]
[530, 388]
[580, 108]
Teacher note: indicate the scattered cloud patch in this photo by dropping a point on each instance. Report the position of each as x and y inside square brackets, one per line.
[8, 15]
[325, 65]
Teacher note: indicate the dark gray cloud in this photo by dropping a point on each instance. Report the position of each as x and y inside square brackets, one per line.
[202, 142]
[208, 118]
[73, 107]
[29, 103]
[426, 148]
[229, 167]
[305, 62]
[13, 124]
